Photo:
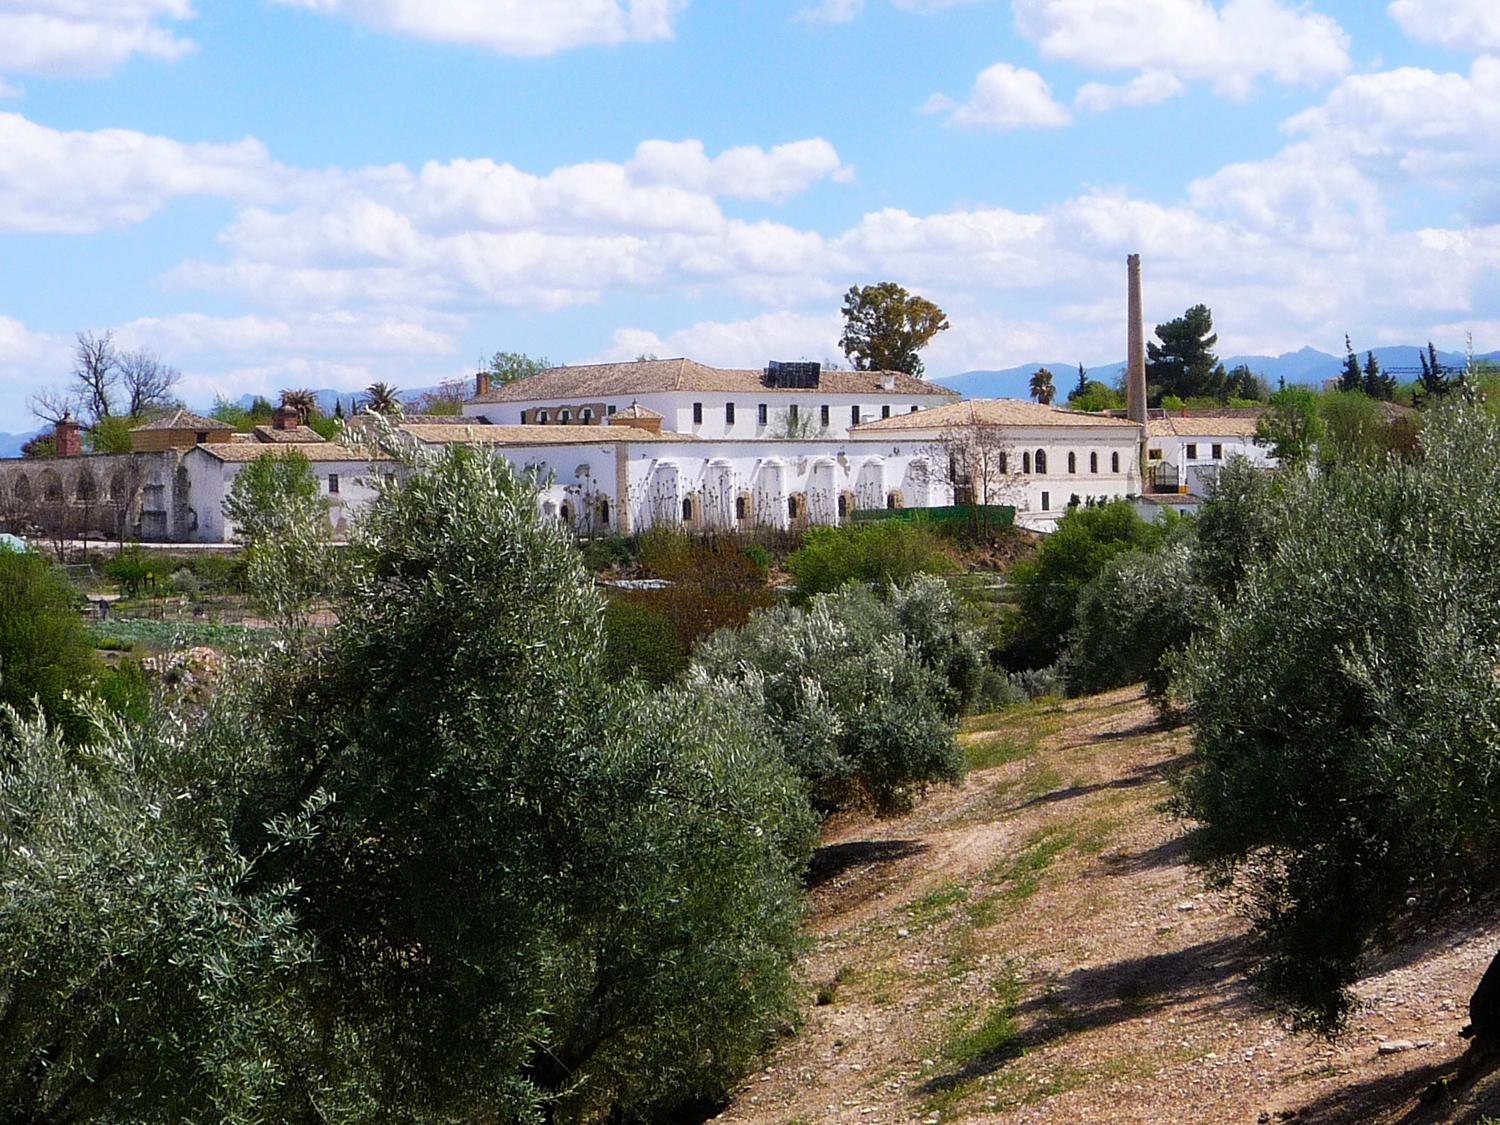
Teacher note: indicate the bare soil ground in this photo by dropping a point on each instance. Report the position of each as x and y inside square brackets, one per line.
[1033, 947]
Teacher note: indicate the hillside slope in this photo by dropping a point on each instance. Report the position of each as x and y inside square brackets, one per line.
[1032, 947]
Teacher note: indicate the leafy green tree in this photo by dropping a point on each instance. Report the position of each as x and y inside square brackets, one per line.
[1042, 388]
[857, 690]
[112, 434]
[280, 515]
[43, 445]
[1245, 386]
[1356, 664]
[1353, 429]
[1094, 397]
[1236, 528]
[129, 568]
[1048, 585]
[141, 982]
[1291, 429]
[885, 327]
[45, 655]
[883, 555]
[507, 367]
[1184, 363]
[534, 893]
[1376, 383]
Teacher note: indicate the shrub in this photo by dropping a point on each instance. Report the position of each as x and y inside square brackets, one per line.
[1345, 708]
[641, 642]
[1140, 608]
[125, 692]
[713, 582]
[129, 569]
[226, 573]
[858, 706]
[1067, 560]
[45, 654]
[882, 554]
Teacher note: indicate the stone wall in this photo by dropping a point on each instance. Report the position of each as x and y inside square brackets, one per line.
[112, 496]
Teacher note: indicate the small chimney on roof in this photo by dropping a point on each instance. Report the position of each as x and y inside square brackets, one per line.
[65, 434]
[285, 418]
[481, 382]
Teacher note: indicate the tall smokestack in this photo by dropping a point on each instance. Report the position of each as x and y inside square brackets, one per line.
[1135, 371]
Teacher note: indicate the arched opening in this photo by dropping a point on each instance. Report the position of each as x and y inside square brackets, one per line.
[565, 513]
[86, 491]
[21, 490]
[541, 417]
[893, 499]
[796, 507]
[1072, 461]
[52, 489]
[1026, 462]
[687, 509]
[1114, 462]
[564, 416]
[1093, 462]
[1003, 462]
[742, 507]
[604, 512]
[1041, 461]
[586, 415]
[843, 506]
[119, 487]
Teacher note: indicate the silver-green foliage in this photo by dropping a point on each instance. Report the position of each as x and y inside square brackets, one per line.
[138, 981]
[282, 519]
[1346, 706]
[857, 690]
[533, 892]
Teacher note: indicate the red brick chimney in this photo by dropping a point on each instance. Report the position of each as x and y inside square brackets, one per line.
[481, 382]
[285, 418]
[65, 433]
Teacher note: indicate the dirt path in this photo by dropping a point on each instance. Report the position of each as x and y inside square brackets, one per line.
[1032, 947]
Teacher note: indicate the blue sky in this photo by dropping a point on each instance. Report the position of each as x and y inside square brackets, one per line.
[277, 193]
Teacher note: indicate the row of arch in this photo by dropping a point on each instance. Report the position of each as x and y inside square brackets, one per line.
[50, 488]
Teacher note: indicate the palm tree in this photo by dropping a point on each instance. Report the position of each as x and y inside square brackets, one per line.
[383, 398]
[303, 401]
[1041, 387]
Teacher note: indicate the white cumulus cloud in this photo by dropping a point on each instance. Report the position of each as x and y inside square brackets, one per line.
[1145, 89]
[1466, 25]
[1004, 97]
[512, 27]
[739, 343]
[86, 37]
[1230, 46]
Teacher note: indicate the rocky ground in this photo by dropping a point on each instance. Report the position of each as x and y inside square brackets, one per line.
[1033, 947]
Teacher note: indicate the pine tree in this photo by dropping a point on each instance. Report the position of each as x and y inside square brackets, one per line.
[1184, 363]
[1377, 384]
[1435, 381]
[1352, 379]
[1083, 382]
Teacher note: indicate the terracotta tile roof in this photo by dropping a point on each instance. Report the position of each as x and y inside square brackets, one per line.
[239, 452]
[989, 412]
[539, 435]
[297, 435]
[636, 410]
[1201, 427]
[609, 380]
[183, 420]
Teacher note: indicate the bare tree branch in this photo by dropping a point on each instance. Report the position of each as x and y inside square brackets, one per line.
[95, 374]
[51, 405]
[147, 380]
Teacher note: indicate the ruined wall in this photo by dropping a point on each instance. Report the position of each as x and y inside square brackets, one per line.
[96, 496]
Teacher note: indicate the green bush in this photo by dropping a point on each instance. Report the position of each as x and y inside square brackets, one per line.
[1345, 707]
[125, 692]
[221, 573]
[45, 655]
[1048, 586]
[859, 706]
[129, 569]
[605, 552]
[641, 642]
[713, 582]
[881, 554]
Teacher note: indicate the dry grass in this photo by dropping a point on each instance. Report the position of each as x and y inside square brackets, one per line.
[1032, 947]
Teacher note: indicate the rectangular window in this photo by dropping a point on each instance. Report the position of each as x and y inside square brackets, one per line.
[1153, 455]
[1046, 501]
[333, 483]
[915, 408]
[854, 416]
[791, 413]
[697, 414]
[610, 409]
[1218, 452]
[1192, 451]
[729, 413]
[761, 414]
[885, 411]
[823, 414]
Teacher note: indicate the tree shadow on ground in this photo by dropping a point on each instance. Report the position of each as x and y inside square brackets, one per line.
[1145, 775]
[1452, 1090]
[1089, 999]
[1173, 853]
[832, 860]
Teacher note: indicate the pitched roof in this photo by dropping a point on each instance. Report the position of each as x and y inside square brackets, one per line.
[242, 452]
[539, 435]
[635, 410]
[184, 420]
[654, 376]
[297, 435]
[989, 412]
[1198, 426]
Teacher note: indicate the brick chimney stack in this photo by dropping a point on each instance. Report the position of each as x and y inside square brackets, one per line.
[65, 433]
[481, 382]
[285, 418]
[1135, 353]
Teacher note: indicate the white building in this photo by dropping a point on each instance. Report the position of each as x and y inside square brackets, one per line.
[1185, 451]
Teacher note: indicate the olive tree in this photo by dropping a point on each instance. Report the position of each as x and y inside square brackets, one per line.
[1345, 706]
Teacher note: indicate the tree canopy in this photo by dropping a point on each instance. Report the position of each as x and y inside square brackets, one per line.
[1184, 363]
[45, 655]
[507, 367]
[1042, 387]
[885, 327]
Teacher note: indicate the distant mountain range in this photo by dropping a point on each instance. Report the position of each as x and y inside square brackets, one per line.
[10, 444]
[1308, 366]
